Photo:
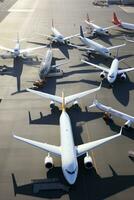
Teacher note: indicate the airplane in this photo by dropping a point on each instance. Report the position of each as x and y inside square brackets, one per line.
[57, 36]
[98, 30]
[67, 149]
[17, 51]
[121, 24]
[109, 111]
[94, 47]
[111, 72]
[46, 65]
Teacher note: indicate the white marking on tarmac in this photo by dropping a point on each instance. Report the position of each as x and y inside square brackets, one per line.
[21, 10]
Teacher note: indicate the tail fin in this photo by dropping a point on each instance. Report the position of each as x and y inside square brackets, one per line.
[18, 37]
[95, 101]
[63, 101]
[81, 32]
[88, 18]
[52, 23]
[115, 20]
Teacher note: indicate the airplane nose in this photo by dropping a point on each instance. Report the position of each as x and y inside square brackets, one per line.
[110, 80]
[71, 179]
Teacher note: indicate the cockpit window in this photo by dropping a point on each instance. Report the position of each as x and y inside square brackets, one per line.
[70, 172]
[111, 75]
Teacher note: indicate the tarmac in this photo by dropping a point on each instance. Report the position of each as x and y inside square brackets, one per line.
[28, 115]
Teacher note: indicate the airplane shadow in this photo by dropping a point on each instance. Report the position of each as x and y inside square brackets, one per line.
[62, 47]
[89, 185]
[15, 71]
[118, 88]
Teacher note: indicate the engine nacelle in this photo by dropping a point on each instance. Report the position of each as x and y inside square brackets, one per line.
[52, 104]
[102, 75]
[75, 103]
[48, 161]
[123, 76]
[88, 162]
[127, 124]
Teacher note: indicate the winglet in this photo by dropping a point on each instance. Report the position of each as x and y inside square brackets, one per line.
[63, 101]
[81, 32]
[115, 20]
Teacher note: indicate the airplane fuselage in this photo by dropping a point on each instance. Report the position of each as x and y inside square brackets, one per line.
[98, 30]
[127, 26]
[95, 46]
[113, 72]
[68, 155]
[58, 37]
[115, 112]
[17, 50]
[46, 64]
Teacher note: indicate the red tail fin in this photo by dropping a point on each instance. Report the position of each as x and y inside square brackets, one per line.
[115, 19]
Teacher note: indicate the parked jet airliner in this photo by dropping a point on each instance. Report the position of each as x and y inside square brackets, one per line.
[67, 150]
[121, 24]
[112, 72]
[128, 118]
[46, 65]
[57, 36]
[94, 47]
[98, 30]
[17, 51]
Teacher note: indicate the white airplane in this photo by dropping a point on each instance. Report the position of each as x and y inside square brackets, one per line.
[111, 72]
[46, 65]
[121, 24]
[94, 47]
[67, 150]
[98, 30]
[17, 51]
[128, 118]
[57, 36]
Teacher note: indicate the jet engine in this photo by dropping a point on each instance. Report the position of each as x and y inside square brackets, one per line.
[52, 104]
[48, 161]
[127, 124]
[88, 162]
[123, 76]
[75, 103]
[102, 75]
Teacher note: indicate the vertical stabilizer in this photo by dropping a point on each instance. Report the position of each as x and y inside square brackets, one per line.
[18, 37]
[63, 101]
[52, 23]
[81, 32]
[88, 20]
[115, 20]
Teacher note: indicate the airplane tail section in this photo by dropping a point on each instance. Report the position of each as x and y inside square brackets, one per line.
[81, 32]
[52, 23]
[115, 19]
[63, 101]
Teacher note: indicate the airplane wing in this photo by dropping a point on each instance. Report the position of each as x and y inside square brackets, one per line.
[71, 36]
[74, 97]
[31, 49]
[120, 71]
[44, 35]
[57, 65]
[47, 96]
[44, 146]
[83, 148]
[7, 49]
[97, 66]
[115, 47]
[109, 27]
[82, 47]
